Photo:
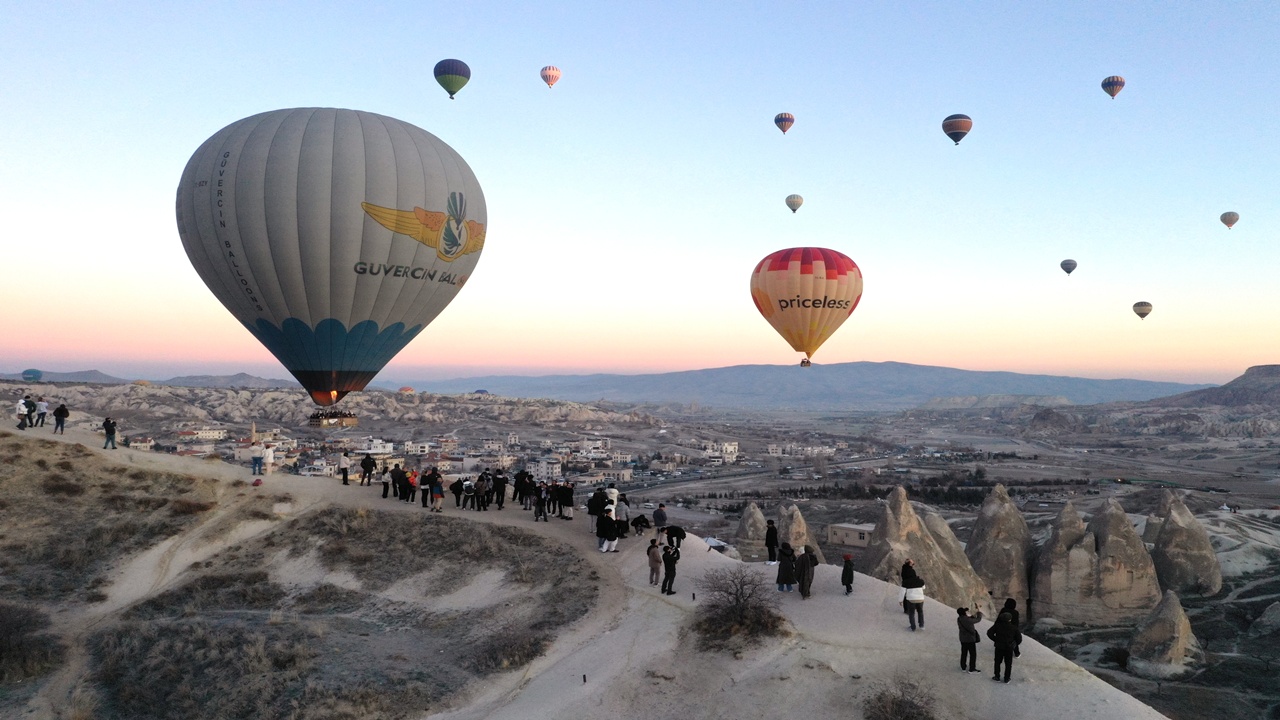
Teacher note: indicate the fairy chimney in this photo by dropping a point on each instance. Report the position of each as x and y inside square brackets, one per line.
[901, 534]
[793, 529]
[1001, 549]
[1164, 645]
[1184, 558]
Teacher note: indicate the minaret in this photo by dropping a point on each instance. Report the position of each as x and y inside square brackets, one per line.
[253, 432]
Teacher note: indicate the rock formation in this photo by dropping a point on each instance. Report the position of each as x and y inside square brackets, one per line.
[752, 526]
[1001, 549]
[1155, 521]
[1095, 575]
[749, 538]
[1268, 622]
[1184, 558]
[793, 529]
[1164, 645]
[900, 534]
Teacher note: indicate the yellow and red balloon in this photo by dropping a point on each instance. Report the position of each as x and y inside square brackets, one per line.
[806, 294]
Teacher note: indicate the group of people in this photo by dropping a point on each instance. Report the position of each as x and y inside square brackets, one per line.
[1004, 633]
[33, 413]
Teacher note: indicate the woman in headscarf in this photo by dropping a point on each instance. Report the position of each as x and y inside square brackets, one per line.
[786, 568]
[805, 566]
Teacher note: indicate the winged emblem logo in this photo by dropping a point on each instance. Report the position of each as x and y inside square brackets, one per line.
[449, 233]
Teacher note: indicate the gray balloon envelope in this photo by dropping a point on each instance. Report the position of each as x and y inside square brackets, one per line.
[334, 236]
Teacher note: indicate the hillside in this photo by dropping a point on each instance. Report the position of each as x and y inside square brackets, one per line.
[305, 599]
[840, 387]
[1258, 387]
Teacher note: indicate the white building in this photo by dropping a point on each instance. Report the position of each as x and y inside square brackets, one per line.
[417, 448]
[545, 469]
[512, 439]
[375, 446]
[850, 534]
[491, 445]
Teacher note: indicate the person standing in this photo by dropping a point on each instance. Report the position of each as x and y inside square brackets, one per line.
[846, 574]
[410, 486]
[913, 599]
[344, 464]
[1007, 638]
[607, 532]
[398, 479]
[969, 638]
[109, 427]
[500, 488]
[805, 567]
[595, 505]
[367, 466]
[481, 488]
[60, 415]
[22, 413]
[268, 459]
[437, 491]
[42, 409]
[786, 568]
[622, 515]
[455, 487]
[670, 556]
[771, 542]
[660, 520]
[540, 494]
[31, 410]
[256, 453]
[654, 553]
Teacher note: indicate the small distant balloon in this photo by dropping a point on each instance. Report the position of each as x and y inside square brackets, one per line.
[957, 126]
[550, 74]
[406, 390]
[1230, 218]
[1113, 85]
[794, 202]
[32, 375]
[1067, 266]
[784, 121]
[452, 75]
[1142, 309]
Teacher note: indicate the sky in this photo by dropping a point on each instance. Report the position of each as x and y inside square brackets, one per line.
[628, 205]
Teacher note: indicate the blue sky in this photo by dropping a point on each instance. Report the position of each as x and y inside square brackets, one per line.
[629, 203]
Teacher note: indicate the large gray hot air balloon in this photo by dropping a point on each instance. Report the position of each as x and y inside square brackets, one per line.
[335, 236]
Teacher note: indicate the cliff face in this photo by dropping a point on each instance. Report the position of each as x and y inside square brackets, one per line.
[1001, 550]
[901, 534]
[1098, 574]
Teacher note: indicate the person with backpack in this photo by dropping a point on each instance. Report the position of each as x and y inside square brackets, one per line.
[1007, 638]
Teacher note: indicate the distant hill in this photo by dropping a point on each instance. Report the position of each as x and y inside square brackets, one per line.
[239, 380]
[1258, 386]
[844, 386]
[80, 376]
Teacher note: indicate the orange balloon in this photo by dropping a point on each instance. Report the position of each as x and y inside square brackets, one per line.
[806, 294]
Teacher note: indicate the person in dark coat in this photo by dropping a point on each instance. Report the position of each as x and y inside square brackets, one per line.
[1011, 607]
[771, 541]
[60, 415]
[786, 568]
[640, 523]
[500, 488]
[1007, 638]
[660, 520]
[969, 638]
[913, 599]
[595, 504]
[398, 480]
[846, 574]
[455, 487]
[109, 427]
[908, 570]
[805, 566]
[670, 556]
[675, 534]
[540, 495]
[367, 466]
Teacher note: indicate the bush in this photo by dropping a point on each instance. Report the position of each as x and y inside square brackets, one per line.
[900, 698]
[25, 651]
[1116, 656]
[740, 607]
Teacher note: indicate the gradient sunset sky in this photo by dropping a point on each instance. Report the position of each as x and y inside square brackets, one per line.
[629, 204]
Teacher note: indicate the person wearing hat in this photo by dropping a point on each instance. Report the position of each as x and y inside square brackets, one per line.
[969, 638]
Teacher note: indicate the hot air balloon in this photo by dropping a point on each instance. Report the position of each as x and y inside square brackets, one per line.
[550, 74]
[1067, 266]
[806, 294]
[1113, 85]
[1230, 218]
[334, 236]
[32, 375]
[794, 202]
[452, 75]
[957, 126]
[1142, 309]
[406, 390]
[784, 121]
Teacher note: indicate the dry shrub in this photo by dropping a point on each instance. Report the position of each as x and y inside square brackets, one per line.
[56, 484]
[42, 463]
[510, 648]
[190, 507]
[25, 651]
[65, 465]
[740, 607]
[900, 698]
[248, 591]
